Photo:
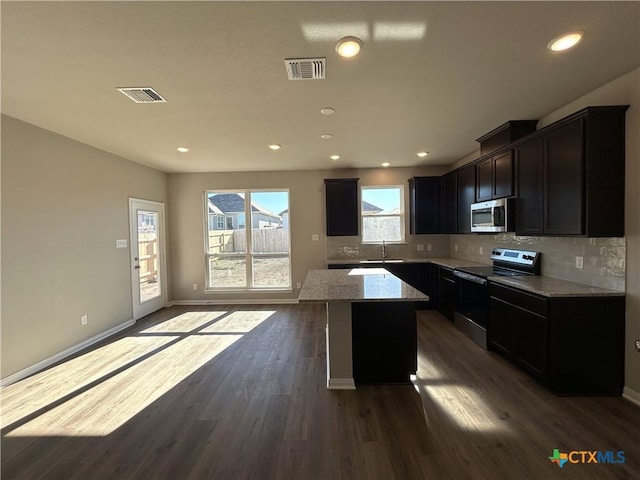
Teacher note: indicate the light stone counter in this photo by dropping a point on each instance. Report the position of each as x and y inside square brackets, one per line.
[357, 285]
[442, 261]
[553, 287]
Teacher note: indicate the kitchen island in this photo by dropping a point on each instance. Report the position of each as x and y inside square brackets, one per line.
[371, 325]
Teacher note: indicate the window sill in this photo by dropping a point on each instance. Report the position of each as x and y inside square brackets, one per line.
[212, 291]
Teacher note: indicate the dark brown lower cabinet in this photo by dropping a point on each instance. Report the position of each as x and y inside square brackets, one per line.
[575, 345]
[447, 298]
[384, 342]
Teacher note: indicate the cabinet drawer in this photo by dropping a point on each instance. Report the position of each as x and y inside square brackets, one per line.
[527, 301]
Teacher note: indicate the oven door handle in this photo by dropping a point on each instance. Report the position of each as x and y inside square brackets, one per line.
[470, 278]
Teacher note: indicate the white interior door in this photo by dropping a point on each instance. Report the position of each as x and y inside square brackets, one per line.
[146, 220]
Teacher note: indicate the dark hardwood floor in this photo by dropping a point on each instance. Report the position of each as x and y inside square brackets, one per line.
[239, 392]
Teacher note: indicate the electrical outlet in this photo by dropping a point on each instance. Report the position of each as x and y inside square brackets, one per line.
[420, 247]
[579, 262]
[298, 285]
[315, 237]
[429, 247]
[480, 250]
[455, 247]
[637, 345]
[84, 319]
[195, 287]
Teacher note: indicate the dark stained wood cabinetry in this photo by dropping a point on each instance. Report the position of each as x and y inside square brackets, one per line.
[466, 196]
[341, 199]
[384, 342]
[575, 345]
[530, 187]
[518, 328]
[425, 209]
[563, 165]
[570, 176]
[447, 292]
[494, 177]
[450, 203]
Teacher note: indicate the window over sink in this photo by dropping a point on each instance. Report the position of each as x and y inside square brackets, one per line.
[382, 213]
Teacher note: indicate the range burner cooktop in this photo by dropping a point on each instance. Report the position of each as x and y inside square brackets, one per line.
[508, 262]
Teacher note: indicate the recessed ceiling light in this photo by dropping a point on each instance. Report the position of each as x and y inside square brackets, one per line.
[327, 110]
[566, 41]
[183, 149]
[422, 154]
[335, 157]
[386, 164]
[274, 146]
[326, 136]
[348, 46]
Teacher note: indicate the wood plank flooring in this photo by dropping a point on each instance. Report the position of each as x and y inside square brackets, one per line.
[238, 392]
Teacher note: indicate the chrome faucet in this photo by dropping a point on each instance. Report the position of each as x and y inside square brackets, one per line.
[384, 250]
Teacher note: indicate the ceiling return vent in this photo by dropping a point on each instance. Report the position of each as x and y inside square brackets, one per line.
[306, 68]
[142, 94]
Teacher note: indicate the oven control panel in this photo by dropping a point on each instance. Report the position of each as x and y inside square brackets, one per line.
[517, 257]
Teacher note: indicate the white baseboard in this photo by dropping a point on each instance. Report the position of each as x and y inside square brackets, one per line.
[64, 354]
[340, 384]
[247, 301]
[631, 395]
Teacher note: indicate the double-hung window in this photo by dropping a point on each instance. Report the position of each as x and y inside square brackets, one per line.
[252, 250]
[382, 213]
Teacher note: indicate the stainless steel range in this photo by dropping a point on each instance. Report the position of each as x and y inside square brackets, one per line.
[472, 295]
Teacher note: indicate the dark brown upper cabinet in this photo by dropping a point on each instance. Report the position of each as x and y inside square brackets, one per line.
[505, 134]
[425, 205]
[466, 196]
[530, 187]
[494, 177]
[341, 199]
[570, 177]
[450, 202]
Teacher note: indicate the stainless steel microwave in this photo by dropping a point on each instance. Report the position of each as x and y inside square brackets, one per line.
[492, 216]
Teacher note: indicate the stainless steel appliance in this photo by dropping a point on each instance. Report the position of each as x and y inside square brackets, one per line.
[493, 216]
[472, 296]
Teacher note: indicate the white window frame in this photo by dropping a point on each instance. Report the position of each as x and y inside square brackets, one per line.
[249, 255]
[400, 215]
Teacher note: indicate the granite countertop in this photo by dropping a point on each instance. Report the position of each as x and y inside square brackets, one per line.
[444, 261]
[357, 285]
[553, 287]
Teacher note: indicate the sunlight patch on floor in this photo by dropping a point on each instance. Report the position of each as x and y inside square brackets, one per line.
[184, 323]
[116, 399]
[465, 407]
[27, 396]
[239, 322]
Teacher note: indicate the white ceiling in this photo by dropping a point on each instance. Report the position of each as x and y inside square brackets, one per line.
[431, 76]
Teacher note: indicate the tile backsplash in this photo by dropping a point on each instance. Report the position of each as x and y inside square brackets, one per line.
[603, 258]
[352, 247]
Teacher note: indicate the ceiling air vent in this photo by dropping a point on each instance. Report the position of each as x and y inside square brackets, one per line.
[142, 94]
[305, 68]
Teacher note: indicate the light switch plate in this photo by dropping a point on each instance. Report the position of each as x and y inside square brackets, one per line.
[315, 237]
[121, 243]
[420, 247]
[579, 262]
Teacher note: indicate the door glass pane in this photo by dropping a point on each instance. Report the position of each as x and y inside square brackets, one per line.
[148, 255]
[227, 239]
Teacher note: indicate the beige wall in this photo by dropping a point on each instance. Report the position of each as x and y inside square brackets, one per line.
[63, 206]
[306, 198]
